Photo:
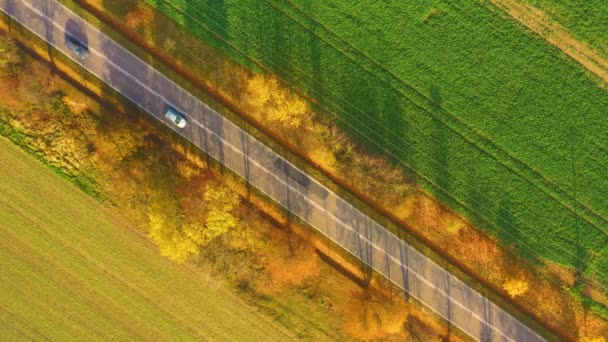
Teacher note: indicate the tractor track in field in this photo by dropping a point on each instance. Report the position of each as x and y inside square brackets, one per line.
[548, 29]
[470, 134]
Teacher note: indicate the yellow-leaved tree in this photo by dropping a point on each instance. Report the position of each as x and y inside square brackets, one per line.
[278, 104]
[169, 239]
[180, 241]
[220, 202]
[516, 287]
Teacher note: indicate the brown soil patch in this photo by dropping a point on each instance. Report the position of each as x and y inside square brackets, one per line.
[537, 21]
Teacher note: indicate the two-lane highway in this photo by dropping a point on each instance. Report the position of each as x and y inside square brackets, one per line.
[270, 173]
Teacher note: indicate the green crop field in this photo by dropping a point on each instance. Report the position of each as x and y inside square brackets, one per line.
[586, 20]
[493, 120]
[73, 270]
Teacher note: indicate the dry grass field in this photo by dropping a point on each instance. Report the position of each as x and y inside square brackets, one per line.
[71, 269]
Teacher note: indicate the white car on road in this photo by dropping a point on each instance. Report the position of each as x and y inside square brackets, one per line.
[176, 118]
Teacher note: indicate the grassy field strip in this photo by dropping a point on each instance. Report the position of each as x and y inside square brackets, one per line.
[600, 156]
[47, 270]
[15, 329]
[452, 122]
[73, 270]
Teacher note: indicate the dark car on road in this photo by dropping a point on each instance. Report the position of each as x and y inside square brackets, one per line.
[77, 47]
[292, 172]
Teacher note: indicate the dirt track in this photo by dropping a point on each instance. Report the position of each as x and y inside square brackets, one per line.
[538, 22]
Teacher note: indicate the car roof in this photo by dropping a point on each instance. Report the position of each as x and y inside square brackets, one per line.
[174, 111]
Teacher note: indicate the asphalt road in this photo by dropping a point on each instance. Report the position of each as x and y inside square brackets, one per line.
[269, 172]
